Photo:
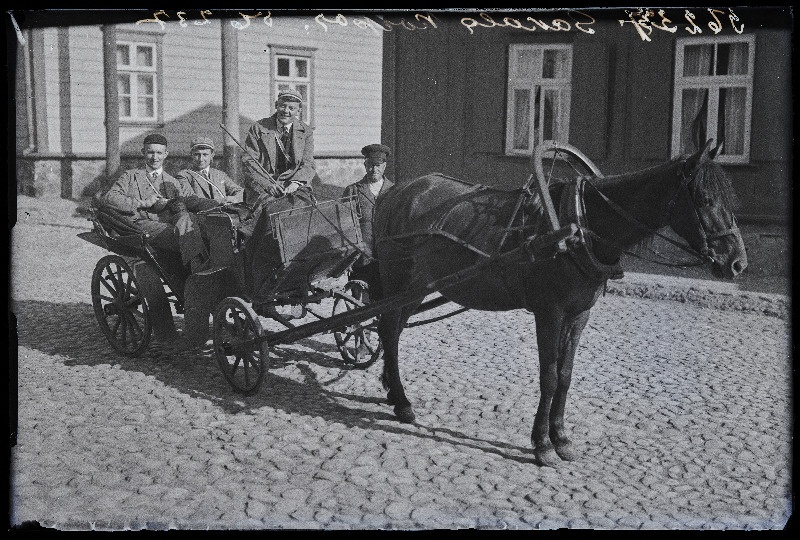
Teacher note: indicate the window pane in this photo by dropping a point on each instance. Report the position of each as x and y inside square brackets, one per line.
[145, 106]
[144, 56]
[732, 58]
[125, 107]
[694, 119]
[282, 87]
[730, 122]
[697, 60]
[145, 86]
[124, 84]
[554, 65]
[550, 109]
[303, 89]
[123, 55]
[283, 67]
[524, 63]
[302, 68]
[522, 119]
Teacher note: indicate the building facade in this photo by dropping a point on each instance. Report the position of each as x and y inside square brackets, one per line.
[473, 93]
[169, 76]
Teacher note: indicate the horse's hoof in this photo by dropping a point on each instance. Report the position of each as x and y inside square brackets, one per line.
[566, 451]
[404, 414]
[546, 457]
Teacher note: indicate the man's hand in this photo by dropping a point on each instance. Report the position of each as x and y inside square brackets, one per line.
[176, 206]
[291, 187]
[149, 201]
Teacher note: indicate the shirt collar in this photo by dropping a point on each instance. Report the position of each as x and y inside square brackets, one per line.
[150, 171]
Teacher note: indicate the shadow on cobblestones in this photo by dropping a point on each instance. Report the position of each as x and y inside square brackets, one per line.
[69, 331]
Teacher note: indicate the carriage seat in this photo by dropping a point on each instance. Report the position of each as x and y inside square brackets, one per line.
[117, 226]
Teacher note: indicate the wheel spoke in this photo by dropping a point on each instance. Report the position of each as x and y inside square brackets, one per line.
[134, 324]
[106, 298]
[104, 281]
[116, 326]
[124, 329]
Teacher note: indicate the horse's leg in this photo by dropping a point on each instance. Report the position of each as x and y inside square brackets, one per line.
[570, 336]
[548, 332]
[390, 326]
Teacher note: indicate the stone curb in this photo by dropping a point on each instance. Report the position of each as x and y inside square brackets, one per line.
[711, 294]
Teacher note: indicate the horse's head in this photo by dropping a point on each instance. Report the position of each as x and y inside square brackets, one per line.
[702, 213]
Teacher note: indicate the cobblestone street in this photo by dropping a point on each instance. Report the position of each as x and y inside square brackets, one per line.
[683, 414]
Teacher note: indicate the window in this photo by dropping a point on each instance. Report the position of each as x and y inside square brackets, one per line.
[539, 86]
[137, 81]
[713, 96]
[292, 70]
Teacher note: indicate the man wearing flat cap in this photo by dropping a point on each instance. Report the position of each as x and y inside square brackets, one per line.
[367, 190]
[280, 149]
[152, 199]
[204, 181]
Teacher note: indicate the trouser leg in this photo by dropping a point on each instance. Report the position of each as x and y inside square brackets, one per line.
[190, 239]
[162, 235]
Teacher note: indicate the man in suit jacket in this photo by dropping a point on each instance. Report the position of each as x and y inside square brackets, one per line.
[284, 146]
[367, 190]
[151, 198]
[203, 180]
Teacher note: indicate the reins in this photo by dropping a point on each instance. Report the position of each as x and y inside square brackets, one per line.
[703, 256]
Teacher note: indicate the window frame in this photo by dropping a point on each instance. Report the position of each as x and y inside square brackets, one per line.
[154, 42]
[713, 83]
[301, 53]
[564, 85]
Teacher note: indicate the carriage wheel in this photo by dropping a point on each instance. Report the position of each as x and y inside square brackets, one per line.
[243, 366]
[119, 306]
[555, 160]
[358, 344]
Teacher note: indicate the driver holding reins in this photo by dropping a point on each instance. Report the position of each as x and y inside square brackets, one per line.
[281, 147]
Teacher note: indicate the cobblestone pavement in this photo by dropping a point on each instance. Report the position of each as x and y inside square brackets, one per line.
[683, 414]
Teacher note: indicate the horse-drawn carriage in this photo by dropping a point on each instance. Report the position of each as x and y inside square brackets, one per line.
[547, 247]
[136, 290]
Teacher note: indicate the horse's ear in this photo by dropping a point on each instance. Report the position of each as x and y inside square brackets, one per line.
[716, 151]
[694, 161]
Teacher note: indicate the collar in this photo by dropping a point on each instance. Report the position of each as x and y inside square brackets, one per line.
[150, 171]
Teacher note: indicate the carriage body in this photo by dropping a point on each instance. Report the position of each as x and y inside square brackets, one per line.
[313, 247]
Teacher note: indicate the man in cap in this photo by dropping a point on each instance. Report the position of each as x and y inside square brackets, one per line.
[151, 198]
[367, 190]
[204, 181]
[280, 149]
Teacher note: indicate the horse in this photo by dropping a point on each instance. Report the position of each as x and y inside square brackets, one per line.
[434, 226]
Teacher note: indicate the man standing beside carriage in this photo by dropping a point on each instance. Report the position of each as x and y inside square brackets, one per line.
[366, 191]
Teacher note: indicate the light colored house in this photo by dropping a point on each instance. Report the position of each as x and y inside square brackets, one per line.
[170, 80]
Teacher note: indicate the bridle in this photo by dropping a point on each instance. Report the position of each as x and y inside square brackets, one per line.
[703, 256]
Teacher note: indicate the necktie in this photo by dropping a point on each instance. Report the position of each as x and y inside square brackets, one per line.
[205, 174]
[285, 139]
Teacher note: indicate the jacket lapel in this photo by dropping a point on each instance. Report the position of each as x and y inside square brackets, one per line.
[271, 129]
[298, 140]
[385, 187]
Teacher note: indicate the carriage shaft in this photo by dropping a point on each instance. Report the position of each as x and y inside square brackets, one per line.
[528, 249]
